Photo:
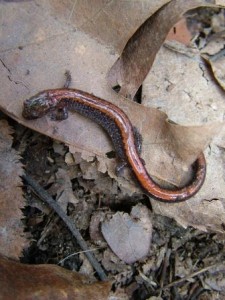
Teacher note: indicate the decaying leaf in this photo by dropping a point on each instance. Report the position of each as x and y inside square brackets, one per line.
[21, 281]
[217, 63]
[188, 100]
[180, 33]
[112, 263]
[207, 214]
[136, 60]
[216, 281]
[12, 238]
[94, 229]
[129, 236]
[111, 22]
[65, 193]
[213, 50]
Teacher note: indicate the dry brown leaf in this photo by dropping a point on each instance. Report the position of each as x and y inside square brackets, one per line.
[77, 130]
[188, 94]
[191, 100]
[136, 60]
[21, 282]
[111, 22]
[112, 263]
[180, 33]
[129, 236]
[213, 51]
[12, 238]
[217, 62]
[216, 279]
[65, 193]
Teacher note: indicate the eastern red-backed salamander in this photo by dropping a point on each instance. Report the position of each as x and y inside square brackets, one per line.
[119, 128]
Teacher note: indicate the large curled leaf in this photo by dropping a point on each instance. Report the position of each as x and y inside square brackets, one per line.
[44, 45]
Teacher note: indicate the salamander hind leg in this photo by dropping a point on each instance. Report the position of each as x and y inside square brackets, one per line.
[120, 167]
[138, 142]
[137, 139]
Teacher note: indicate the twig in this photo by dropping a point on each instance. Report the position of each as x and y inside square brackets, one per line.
[190, 276]
[165, 265]
[75, 253]
[75, 232]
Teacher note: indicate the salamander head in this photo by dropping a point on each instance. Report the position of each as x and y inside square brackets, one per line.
[37, 106]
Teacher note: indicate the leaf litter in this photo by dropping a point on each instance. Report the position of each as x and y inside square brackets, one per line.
[13, 239]
[13, 60]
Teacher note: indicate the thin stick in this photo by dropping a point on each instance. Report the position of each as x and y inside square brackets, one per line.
[76, 253]
[190, 276]
[165, 265]
[75, 232]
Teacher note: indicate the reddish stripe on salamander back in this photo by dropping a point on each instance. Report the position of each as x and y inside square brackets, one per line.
[119, 128]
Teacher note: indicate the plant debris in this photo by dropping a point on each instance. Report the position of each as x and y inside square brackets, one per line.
[134, 240]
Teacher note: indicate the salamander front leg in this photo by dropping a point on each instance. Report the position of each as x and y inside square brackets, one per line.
[68, 79]
[59, 114]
